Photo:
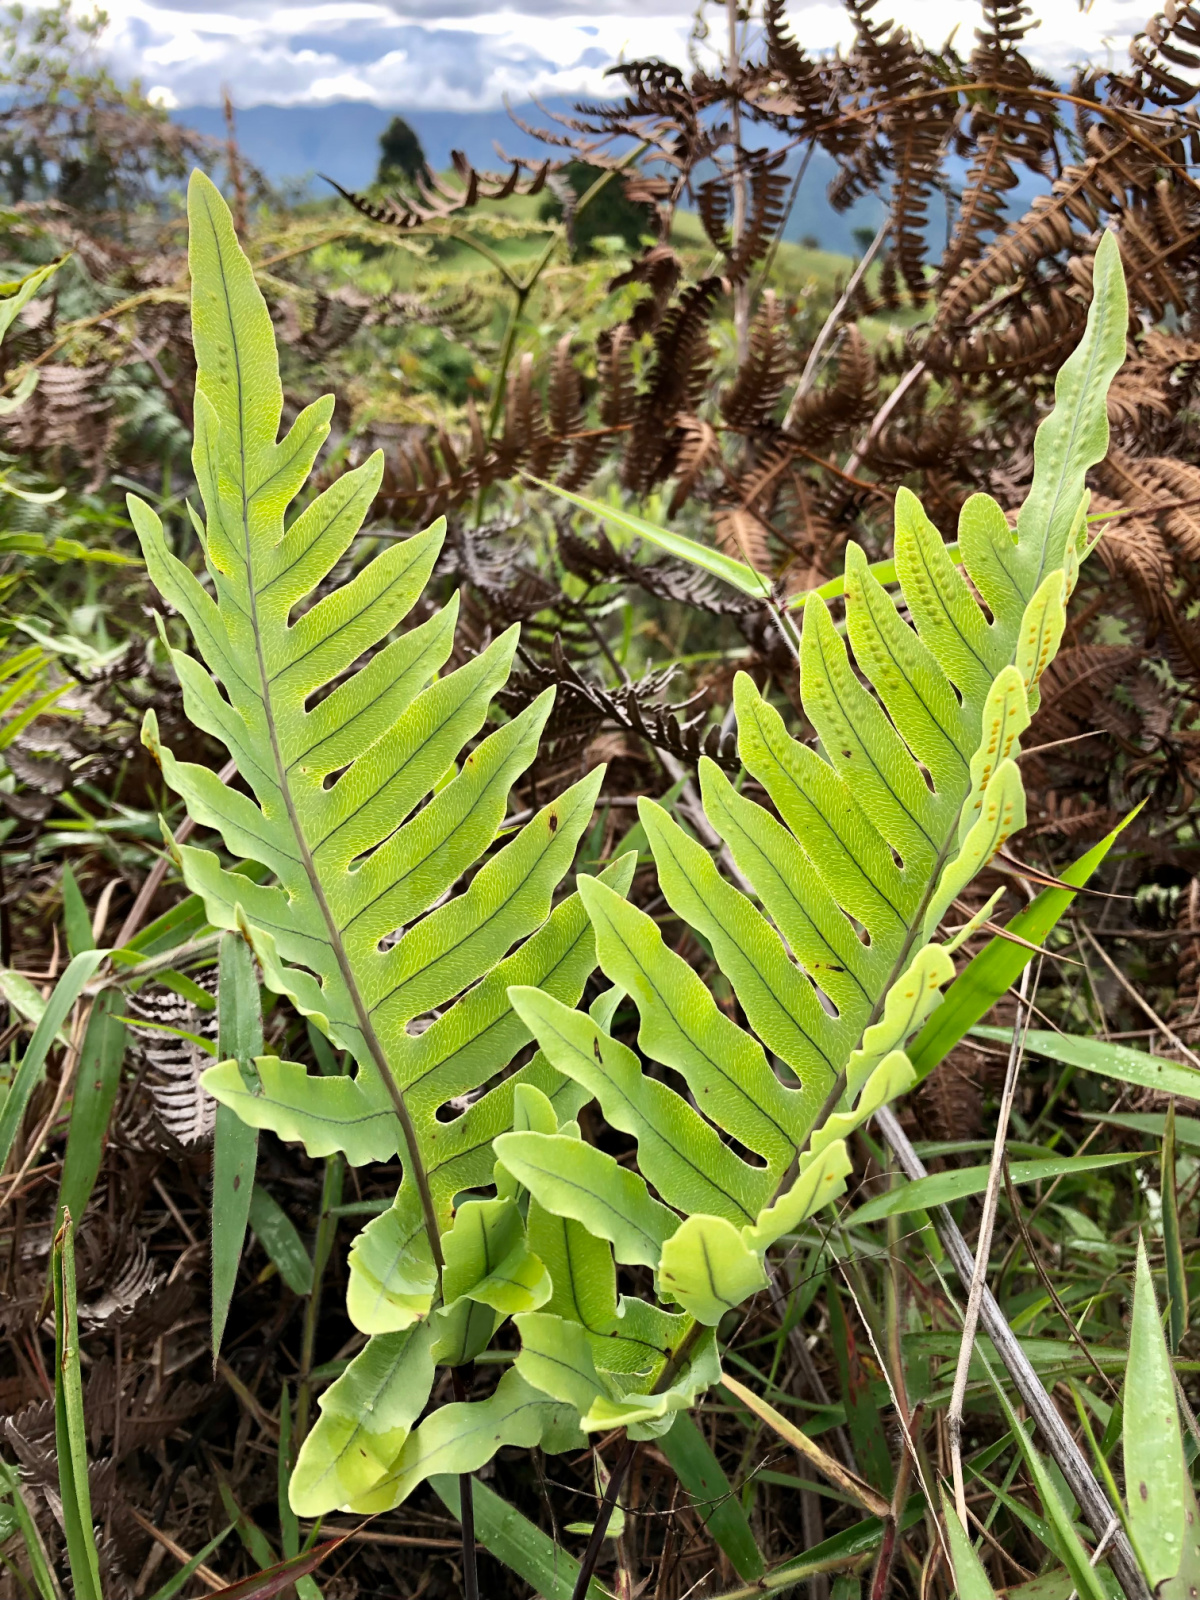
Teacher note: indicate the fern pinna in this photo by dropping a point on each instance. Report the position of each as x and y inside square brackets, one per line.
[362, 817]
[834, 958]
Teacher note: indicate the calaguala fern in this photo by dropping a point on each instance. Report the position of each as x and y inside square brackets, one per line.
[366, 823]
[834, 959]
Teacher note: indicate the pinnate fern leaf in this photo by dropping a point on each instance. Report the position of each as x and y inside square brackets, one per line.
[364, 839]
[834, 956]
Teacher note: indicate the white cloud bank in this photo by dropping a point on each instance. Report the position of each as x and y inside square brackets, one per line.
[457, 55]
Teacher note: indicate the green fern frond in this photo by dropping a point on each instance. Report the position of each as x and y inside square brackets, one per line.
[833, 957]
[351, 811]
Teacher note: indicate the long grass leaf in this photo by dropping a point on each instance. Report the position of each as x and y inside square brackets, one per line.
[96, 1083]
[235, 1143]
[943, 1188]
[70, 1427]
[1000, 963]
[278, 1235]
[1156, 1481]
[510, 1536]
[1118, 1061]
[714, 1499]
[735, 573]
[29, 1074]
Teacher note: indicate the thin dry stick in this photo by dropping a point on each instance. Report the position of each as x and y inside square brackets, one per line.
[206, 1574]
[1059, 1440]
[881, 416]
[1167, 1033]
[983, 1249]
[1044, 1279]
[809, 375]
[898, 1403]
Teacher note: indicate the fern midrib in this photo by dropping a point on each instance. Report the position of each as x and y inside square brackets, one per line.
[370, 1038]
[898, 966]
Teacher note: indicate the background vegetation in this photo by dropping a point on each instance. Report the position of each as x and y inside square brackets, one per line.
[624, 318]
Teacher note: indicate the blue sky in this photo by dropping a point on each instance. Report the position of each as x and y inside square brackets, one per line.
[474, 54]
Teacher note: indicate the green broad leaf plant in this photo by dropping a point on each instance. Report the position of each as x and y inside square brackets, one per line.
[365, 817]
[832, 913]
[834, 936]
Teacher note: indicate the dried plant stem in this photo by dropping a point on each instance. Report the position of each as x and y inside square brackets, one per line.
[987, 1223]
[604, 1511]
[854, 461]
[809, 376]
[1057, 1436]
[1139, 1000]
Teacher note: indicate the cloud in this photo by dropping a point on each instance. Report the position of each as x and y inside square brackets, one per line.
[472, 54]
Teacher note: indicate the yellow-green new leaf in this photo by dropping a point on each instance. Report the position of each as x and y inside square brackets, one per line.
[574, 1179]
[463, 1436]
[822, 1179]
[679, 1153]
[489, 1260]
[905, 1008]
[366, 1416]
[708, 1268]
[350, 808]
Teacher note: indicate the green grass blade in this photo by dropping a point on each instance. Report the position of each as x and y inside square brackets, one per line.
[713, 1497]
[70, 1426]
[1155, 1473]
[943, 1188]
[735, 573]
[1058, 1516]
[96, 1083]
[35, 1549]
[1106, 1060]
[1000, 963]
[970, 1578]
[178, 1580]
[29, 1074]
[510, 1536]
[277, 1234]
[1177, 1288]
[235, 1143]
[75, 914]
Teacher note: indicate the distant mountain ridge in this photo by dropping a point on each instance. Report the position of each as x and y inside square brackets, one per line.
[340, 140]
